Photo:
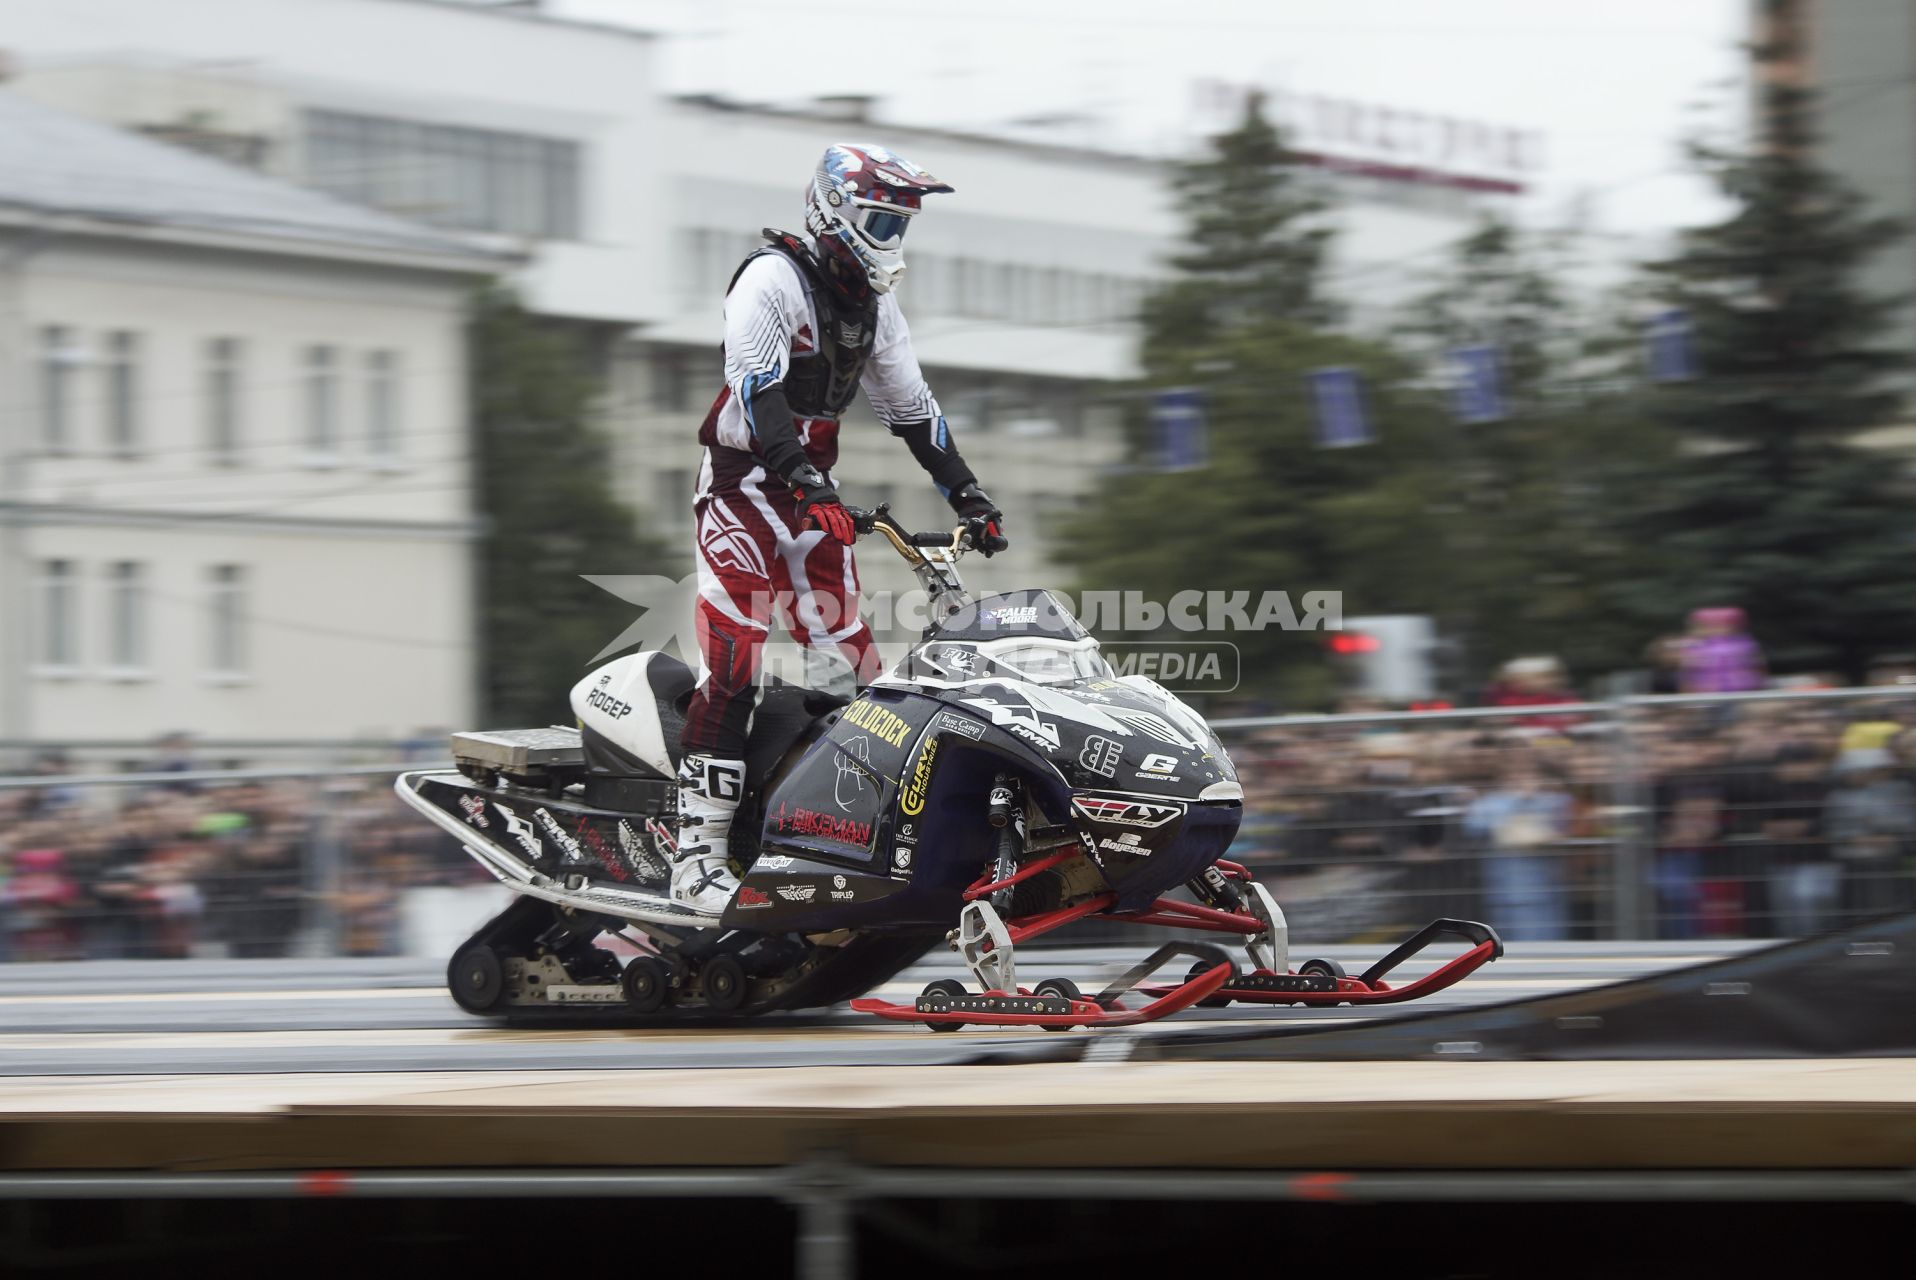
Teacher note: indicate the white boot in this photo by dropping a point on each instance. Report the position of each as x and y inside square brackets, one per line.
[709, 792]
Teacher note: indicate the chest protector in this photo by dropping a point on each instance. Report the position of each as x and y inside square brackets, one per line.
[822, 382]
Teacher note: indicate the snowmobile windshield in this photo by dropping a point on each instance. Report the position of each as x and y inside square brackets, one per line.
[1049, 661]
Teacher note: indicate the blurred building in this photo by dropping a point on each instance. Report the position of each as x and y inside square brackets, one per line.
[1860, 58]
[234, 491]
[511, 126]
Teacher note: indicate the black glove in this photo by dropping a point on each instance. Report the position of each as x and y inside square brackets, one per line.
[979, 511]
[819, 506]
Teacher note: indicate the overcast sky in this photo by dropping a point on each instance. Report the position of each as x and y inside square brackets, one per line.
[1612, 87]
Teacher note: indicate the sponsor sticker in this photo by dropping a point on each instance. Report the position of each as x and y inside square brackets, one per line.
[643, 858]
[882, 724]
[748, 897]
[1017, 616]
[475, 812]
[614, 708]
[773, 862]
[901, 858]
[841, 892]
[1129, 842]
[520, 830]
[1128, 813]
[1101, 755]
[809, 822]
[911, 797]
[560, 836]
[797, 892]
[959, 724]
[595, 840]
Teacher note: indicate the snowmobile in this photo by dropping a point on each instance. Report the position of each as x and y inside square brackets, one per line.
[1002, 779]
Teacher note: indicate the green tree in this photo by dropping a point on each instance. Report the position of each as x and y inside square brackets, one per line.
[1531, 498]
[1256, 243]
[1245, 321]
[551, 515]
[1772, 503]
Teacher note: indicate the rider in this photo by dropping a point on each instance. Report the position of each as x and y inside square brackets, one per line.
[808, 321]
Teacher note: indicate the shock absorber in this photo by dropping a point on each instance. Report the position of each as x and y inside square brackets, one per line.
[1002, 795]
[1008, 844]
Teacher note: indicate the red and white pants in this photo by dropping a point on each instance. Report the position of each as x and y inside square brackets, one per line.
[757, 567]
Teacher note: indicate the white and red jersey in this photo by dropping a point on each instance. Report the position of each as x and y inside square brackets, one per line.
[771, 321]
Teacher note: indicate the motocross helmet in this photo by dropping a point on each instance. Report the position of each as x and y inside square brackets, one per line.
[858, 207]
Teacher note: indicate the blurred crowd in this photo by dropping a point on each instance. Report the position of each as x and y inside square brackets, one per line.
[1734, 819]
[179, 870]
[1720, 818]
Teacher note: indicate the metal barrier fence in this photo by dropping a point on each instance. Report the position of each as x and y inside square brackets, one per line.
[182, 863]
[1770, 814]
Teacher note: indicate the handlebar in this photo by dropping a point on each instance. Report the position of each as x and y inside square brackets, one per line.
[969, 536]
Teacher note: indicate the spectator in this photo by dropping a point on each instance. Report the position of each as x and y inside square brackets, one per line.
[1719, 656]
[37, 906]
[1533, 682]
[1869, 820]
[1521, 822]
[1805, 883]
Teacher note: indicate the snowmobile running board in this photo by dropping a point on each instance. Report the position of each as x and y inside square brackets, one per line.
[950, 1010]
[1322, 982]
[1056, 1003]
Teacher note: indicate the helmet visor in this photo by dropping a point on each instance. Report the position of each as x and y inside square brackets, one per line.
[884, 227]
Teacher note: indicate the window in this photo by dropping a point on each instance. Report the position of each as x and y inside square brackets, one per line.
[382, 404]
[472, 179]
[58, 359]
[123, 392]
[226, 620]
[322, 402]
[222, 389]
[126, 616]
[57, 615]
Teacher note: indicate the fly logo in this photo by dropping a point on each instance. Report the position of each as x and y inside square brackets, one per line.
[1127, 813]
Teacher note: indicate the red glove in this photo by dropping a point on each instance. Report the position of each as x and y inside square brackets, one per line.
[819, 507]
